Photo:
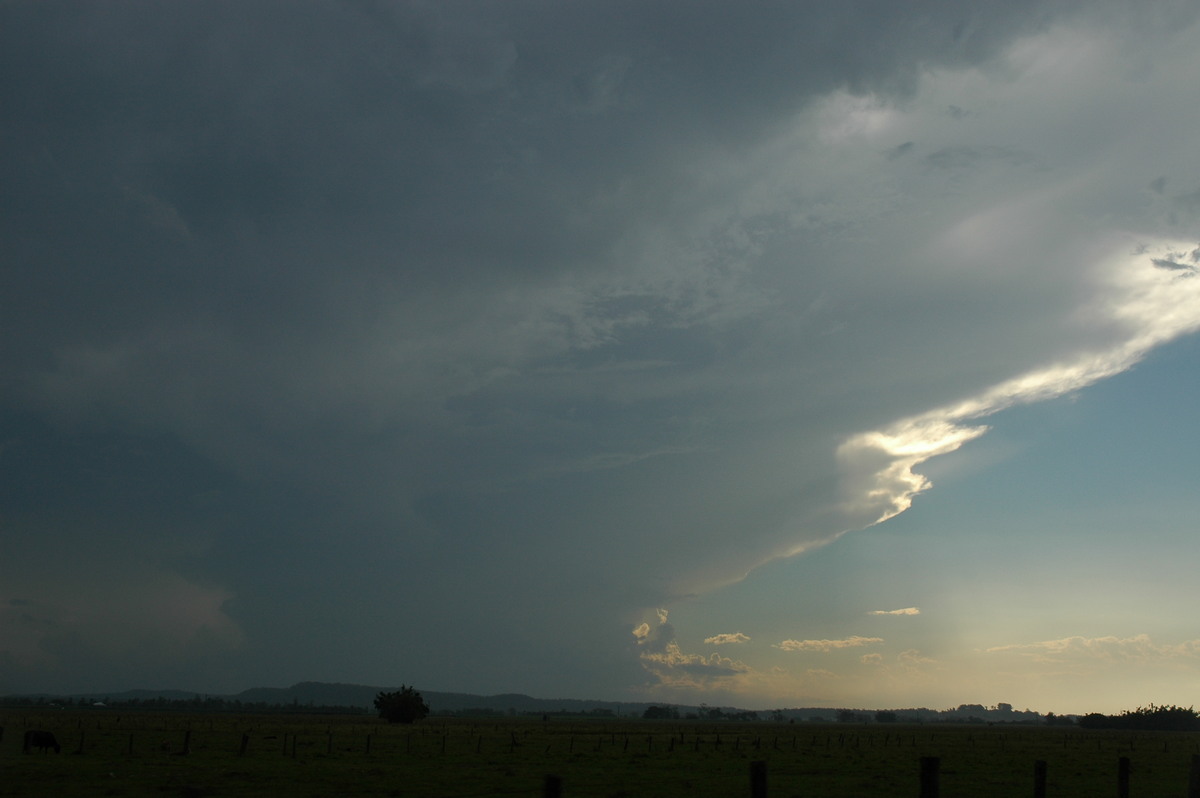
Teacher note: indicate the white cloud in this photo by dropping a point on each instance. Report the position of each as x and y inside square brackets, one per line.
[1139, 648]
[696, 664]
[905, 611]
[828, 645]
[1140, 304]
[672, 668]
[723, 639]
[913, 658]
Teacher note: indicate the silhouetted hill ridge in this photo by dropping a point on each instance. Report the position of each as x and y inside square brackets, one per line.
[337, 694]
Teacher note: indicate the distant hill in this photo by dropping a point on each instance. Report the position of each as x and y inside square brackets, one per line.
[315, 693]
[332, 694]
[318, 694]
[328, 694]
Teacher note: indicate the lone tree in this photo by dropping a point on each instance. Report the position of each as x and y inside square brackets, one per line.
[403, 706]
[661, 713]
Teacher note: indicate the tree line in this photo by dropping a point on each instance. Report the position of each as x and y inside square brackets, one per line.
[1151, 718]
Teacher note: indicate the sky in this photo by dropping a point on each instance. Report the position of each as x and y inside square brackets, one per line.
[765, 355]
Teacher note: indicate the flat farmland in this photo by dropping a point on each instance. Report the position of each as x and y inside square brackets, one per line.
[114, 753]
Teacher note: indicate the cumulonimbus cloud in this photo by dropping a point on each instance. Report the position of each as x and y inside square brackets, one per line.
[663, 300]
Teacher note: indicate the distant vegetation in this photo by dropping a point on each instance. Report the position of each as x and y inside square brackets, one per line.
[402, 706]
[195, 704]
[964, 713]
[320, 698]
[352, 699]
[1151, 718]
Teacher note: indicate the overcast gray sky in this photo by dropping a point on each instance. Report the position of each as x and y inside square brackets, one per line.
[543, 347]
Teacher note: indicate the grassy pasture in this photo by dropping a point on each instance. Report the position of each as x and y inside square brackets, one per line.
[112, 753]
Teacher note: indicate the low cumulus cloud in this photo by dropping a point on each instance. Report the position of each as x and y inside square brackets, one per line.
[905, 611]
[1139, 648]
[907, 660]
[911, 657]
[672, 668]
[826, 646]
[672, 664]
[723, 639]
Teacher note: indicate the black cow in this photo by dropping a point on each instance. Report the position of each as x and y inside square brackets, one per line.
[42, 740]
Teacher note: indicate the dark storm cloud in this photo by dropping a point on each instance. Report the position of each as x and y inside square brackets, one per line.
[229, 199]
[477, 320]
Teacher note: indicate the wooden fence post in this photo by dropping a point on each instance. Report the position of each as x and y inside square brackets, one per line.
[1123, 777]
[1039, 779]
[552, 787]
[929, 776]
[758, 779]
[245, 742]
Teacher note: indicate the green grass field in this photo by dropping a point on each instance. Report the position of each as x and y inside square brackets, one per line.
[110, 753]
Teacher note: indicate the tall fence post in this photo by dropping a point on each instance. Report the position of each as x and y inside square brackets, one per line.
[758, 779]
[929, 776]
[1194, 778]
[1039, 779]
[1123, 777]
[552, 787]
